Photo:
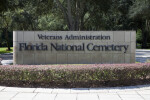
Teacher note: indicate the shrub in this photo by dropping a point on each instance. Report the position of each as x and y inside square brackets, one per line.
[90, 75]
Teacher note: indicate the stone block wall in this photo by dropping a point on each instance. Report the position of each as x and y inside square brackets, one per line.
[110, 48]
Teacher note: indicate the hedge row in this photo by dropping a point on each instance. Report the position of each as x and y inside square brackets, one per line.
[91, 75]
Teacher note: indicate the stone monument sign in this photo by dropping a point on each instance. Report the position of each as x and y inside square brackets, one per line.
[74, 47]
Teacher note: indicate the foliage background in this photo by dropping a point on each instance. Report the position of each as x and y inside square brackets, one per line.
[75, 15]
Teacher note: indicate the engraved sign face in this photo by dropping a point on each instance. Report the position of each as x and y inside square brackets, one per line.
[74, 47]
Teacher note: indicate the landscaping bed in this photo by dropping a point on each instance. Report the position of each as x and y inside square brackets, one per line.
[90, 75]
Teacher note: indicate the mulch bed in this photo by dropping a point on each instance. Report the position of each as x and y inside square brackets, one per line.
[92, 84]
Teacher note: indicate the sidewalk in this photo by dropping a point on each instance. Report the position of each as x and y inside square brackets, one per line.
[139, 92]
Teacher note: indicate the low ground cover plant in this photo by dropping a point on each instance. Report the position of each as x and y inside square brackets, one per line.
[90, 75]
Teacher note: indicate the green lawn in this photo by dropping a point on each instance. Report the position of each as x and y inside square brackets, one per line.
[3, 50]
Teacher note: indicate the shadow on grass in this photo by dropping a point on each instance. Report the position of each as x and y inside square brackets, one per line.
[4, 50]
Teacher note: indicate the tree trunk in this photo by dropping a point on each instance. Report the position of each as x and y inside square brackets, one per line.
[71, 22]
[74, 21]
[77, 15]
[144, 39]
[64, 12]
[7, 39]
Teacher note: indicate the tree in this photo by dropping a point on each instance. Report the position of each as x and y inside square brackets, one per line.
[51, 22]
[5, 26]
[27, 16]
[78, 12]
[140, 12]
[6, 7]
[117, 17]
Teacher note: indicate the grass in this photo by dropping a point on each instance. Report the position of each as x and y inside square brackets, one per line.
[3, 50]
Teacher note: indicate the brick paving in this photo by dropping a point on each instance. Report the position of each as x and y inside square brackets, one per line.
[139, 92]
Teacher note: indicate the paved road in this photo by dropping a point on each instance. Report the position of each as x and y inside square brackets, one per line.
[142, 55]
[6, 56]
[140, 92]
